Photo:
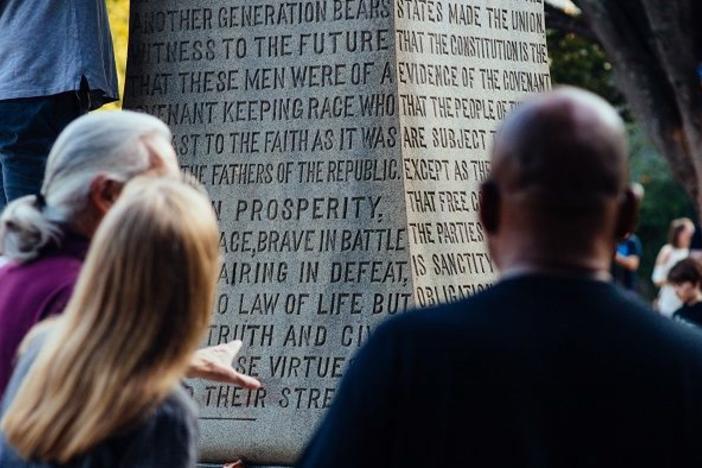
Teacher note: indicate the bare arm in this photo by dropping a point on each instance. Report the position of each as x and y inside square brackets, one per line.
[660, 272]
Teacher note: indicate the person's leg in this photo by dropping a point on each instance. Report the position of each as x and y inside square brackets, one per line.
[3, 200]
[28, 129]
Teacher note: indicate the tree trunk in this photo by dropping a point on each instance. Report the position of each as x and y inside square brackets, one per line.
[655, 68]
[675, 41]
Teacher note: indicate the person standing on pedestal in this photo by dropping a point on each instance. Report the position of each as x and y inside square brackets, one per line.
[56, 63]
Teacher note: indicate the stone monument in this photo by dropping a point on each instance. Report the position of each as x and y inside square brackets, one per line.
[343, 143]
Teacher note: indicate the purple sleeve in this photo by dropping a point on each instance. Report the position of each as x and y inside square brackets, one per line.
[57, 302]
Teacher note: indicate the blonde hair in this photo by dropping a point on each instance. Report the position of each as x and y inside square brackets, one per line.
[141, 305]
[677, 226]
[113, 143]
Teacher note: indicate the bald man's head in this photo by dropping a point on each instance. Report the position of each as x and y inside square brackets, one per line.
[557, 193]
[564, 149]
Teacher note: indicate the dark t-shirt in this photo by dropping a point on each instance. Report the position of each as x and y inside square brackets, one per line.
[690, 314]
[626, 278]
[534, 372]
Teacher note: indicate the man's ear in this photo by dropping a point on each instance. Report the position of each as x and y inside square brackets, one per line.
[490, 206]
[103, 193]
[628, 215]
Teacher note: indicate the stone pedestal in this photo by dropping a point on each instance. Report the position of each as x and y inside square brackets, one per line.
[343, 143]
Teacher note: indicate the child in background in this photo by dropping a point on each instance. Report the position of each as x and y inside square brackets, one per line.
[686, 279]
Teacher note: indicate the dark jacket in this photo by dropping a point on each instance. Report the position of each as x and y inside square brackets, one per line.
[535, 372]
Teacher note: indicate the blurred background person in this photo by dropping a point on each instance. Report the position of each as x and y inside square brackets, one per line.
[677, 249]
[627, 260]
[100, 384]
[627, 257]
[686, 279]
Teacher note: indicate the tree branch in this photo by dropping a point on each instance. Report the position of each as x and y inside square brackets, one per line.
[672, 31]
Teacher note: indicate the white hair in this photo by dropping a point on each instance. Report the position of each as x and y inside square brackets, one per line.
[111, 144]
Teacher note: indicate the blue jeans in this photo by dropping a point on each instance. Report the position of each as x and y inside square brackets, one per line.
[28, 129]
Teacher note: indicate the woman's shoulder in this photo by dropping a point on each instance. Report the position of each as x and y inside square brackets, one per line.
[32, 345]
[178, 406]
[26, 355]
[667, 248]
[167, 437]
[680, 252]
[174, 417]
[664, 254]
[172, 429]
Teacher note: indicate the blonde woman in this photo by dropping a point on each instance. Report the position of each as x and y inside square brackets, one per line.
[677, 249]
[99, 385]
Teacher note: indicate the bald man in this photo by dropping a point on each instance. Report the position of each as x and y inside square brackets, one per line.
[551, 367]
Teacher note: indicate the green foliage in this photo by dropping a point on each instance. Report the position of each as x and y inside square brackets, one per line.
[119, 25]
[580, 62]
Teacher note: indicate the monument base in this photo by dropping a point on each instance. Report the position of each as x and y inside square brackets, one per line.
[219, 465]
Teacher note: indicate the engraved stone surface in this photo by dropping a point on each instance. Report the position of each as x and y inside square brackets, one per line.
[343, 143]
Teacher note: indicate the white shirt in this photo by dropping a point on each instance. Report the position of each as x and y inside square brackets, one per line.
[668, 302]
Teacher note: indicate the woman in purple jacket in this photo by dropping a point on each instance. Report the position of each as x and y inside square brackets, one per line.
[45, 236]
